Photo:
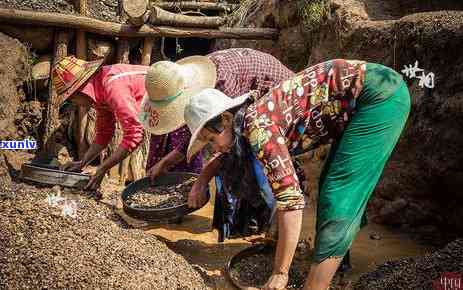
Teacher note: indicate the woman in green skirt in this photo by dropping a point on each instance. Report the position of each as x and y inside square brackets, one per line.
[359, 107]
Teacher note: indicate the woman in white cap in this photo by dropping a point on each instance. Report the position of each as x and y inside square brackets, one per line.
[233, 71]
[360, 107]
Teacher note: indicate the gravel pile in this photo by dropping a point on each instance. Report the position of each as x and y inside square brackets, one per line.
[164, 196]
[417, 273]
[89, 248]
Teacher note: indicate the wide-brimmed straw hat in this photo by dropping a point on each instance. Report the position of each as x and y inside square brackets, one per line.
[71, 73]
[169, 87]
[204, 107]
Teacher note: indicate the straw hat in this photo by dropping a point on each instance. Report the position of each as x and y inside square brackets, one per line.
[71, 73]
[204, 107]
[169, 87]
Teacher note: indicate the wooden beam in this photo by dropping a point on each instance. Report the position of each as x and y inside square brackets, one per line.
[52, 121]
[116, 29]
[81, 53]
[147, 50]
[136, 11]
[163, 17]
[123, 50]
[81, 41]
[196, 5]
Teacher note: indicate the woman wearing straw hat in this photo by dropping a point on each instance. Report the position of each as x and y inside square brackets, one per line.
[360, 107]
[233, 71]
[116, 92]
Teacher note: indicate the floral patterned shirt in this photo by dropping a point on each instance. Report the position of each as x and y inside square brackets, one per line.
[310, 109]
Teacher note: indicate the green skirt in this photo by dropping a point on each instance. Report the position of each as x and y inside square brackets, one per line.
[357, 159]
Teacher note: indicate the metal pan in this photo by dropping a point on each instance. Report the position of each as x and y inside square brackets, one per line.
[251, 251]
[152, 214]
[47, 174]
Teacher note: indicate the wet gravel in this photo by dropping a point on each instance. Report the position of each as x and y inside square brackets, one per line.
[42, 249]
[162, 196]
[417, 273]
[255, 270]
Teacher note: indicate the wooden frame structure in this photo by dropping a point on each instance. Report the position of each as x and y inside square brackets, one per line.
[136, 13]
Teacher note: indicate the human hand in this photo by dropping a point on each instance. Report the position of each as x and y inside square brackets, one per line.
[156, 170]
[197, 196]
[95, 181]
[277, 281]
[72, 166]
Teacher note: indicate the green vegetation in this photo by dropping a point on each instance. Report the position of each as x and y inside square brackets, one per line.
[313, 13]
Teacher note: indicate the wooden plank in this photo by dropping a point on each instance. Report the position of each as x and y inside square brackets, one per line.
[125, 30]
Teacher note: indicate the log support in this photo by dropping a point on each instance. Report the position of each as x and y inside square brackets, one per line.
[193, 5]
[81, 53]
[136, 11]
[162, 17]
[124, 30]
[52, 122]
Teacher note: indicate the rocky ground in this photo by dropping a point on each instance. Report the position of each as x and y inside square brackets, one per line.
[418, 273]
[106, 10]
[80, 244]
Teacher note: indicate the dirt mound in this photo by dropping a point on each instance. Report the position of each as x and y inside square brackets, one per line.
[13, 71]
[417, 273]
[80, 244]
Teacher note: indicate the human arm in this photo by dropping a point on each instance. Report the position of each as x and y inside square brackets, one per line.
[266, 143]
[115, 158]
[121, 106]
[178, 140]
[165, 164]
[197, 196]
[289, 226]
[104, 130]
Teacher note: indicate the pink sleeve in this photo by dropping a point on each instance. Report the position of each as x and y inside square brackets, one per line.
[105, 125]
[123, 104]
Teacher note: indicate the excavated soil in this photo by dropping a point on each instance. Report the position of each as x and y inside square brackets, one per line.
[418, 273]
[13, 72]
[46, 243]
[104, 10]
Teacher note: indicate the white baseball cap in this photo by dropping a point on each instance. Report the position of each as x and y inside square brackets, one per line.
[202, 108]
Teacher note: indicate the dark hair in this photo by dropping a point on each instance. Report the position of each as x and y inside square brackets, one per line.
[216, 124]
[237, 160]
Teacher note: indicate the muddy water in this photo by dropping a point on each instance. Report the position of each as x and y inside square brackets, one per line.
[194, 240]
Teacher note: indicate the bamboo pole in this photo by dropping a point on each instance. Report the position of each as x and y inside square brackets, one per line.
[125, 30]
